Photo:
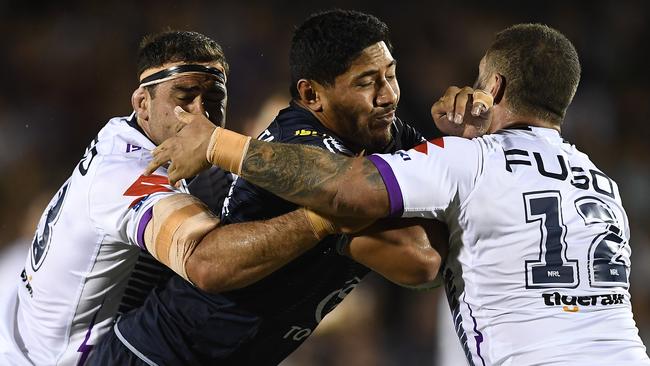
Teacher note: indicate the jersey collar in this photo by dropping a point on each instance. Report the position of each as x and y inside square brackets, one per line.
[133, 122]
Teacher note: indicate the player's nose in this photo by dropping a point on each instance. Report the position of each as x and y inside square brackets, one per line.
[387, 95]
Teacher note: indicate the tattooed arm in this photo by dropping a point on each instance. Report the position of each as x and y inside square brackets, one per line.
[329, 183]
[332, 184]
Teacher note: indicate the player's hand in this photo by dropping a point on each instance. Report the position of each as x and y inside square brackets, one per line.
[463, 112]
[186, 151]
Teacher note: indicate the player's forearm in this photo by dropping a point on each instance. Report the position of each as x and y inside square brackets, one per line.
[401, 250]
[237, 255]
[329, 183]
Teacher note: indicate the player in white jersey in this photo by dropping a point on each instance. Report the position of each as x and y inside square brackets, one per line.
[89, 260]
[539, 258]
[86, 263]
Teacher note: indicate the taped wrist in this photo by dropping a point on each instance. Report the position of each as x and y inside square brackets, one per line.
[227, 149]
[179, 222]
[320, 226]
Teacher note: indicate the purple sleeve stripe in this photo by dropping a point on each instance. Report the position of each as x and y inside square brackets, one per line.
[392, 186]
[144, 220]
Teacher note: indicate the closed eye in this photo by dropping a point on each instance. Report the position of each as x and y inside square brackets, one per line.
[185, 98]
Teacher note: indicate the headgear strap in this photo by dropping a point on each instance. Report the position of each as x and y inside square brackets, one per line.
[172, 72]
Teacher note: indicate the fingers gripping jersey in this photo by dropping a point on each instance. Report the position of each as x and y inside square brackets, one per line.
[539, 261]
[86, 263]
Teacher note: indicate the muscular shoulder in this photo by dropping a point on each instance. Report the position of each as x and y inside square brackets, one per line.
[292, 125]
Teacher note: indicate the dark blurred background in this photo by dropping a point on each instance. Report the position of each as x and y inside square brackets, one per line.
[66, 68]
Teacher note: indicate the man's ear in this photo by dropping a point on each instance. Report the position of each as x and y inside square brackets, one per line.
[139, 101]
[309, 94]
[498, 87]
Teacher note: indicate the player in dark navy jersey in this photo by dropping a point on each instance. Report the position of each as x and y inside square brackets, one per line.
[346, 106]
[297, 125]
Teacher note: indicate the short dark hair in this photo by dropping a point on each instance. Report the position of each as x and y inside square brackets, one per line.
[541, 69]
[324, 45]
[178, 46]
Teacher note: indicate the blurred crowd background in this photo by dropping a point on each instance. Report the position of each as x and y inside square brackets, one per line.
[66, 68]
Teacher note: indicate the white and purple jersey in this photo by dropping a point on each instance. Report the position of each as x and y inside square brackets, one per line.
[539, 259]
[86, 262]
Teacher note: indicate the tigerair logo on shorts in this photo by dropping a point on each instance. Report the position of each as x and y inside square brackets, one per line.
[572, 304]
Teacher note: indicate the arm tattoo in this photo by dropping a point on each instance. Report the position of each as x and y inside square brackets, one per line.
[311, 177]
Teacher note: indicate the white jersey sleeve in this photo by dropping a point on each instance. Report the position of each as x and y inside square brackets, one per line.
[426, 180]
[121, 209]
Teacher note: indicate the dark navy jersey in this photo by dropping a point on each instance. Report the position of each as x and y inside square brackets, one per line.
[211, 187]
[263, 323]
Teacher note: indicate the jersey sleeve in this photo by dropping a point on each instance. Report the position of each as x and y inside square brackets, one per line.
[121, 199]
[431, 178]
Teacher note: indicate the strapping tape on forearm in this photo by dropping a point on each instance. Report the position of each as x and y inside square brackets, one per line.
[178, 224]
[320, 226]
[227, 149]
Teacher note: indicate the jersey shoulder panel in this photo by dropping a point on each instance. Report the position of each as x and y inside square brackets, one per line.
[122, 137]
[427, 179]
[119, 196]
[295, 125]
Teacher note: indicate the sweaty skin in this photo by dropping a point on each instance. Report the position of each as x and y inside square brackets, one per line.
[254, 250]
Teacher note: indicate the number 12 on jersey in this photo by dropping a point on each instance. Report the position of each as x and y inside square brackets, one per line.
[607, 254]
